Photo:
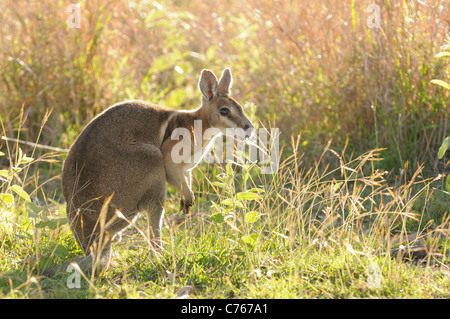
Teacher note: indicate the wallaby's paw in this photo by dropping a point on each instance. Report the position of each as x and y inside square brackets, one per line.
[185, 206]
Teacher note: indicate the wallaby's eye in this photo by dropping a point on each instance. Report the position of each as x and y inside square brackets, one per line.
[224, 111]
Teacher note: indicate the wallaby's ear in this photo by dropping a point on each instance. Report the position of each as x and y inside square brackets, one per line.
[208, 84]
[225, 82]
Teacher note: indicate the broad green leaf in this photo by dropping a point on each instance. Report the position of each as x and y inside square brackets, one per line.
[25, 160]
[445, 145]
[218, 218]
[238, 203]
[42, 224]
[441, 83]
[5, 173]
[250, 239]
[52, 224]
[26, 236]
[2, 154]
[252, 217]
[247, 196]
[61, 251]
[7, 199]
[447, 183]
[229, 171]
[227, 209]
[34, 210]
[230, 203]
[227, 202]
[245, 176]
[19, 191]
[219, 184]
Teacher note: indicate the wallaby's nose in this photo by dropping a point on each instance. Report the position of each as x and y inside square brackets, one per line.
[249, 125]
[248, 128]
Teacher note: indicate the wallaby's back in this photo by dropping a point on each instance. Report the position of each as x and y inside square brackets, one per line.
[116, 154]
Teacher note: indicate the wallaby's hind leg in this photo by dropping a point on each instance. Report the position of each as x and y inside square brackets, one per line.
[95, 238]
[154, 218]
[153, 205]
[94, 241]
[98, 255]
[98, 261]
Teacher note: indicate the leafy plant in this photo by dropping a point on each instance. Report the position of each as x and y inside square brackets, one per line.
[10, 181]
[234, 205]
[445, 53]
[29, 221]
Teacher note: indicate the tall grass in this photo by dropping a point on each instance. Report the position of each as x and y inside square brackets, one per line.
[297, 233]
[316, 67]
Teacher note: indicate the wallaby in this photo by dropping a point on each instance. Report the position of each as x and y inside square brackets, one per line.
[124, 157]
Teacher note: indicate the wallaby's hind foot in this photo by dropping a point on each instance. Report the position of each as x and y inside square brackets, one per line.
[185, 206]
[87, 264]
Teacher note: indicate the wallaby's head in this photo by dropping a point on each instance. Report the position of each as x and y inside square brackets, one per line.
[222, 110]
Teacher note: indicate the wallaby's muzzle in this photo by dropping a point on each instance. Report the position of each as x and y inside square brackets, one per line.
[248, 129]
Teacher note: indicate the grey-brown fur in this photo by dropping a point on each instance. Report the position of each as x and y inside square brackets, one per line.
[123, 155]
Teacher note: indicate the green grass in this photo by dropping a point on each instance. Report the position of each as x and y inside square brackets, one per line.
[309, 67]
[300, 233]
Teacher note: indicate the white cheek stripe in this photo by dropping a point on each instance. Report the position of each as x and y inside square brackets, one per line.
[163, 128]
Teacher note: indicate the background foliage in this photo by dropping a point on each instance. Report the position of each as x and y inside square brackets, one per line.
[359, 206]
[310, 67]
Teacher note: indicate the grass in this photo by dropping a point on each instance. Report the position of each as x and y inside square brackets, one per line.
[359, 207]
[300, 233]
[316, 68]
